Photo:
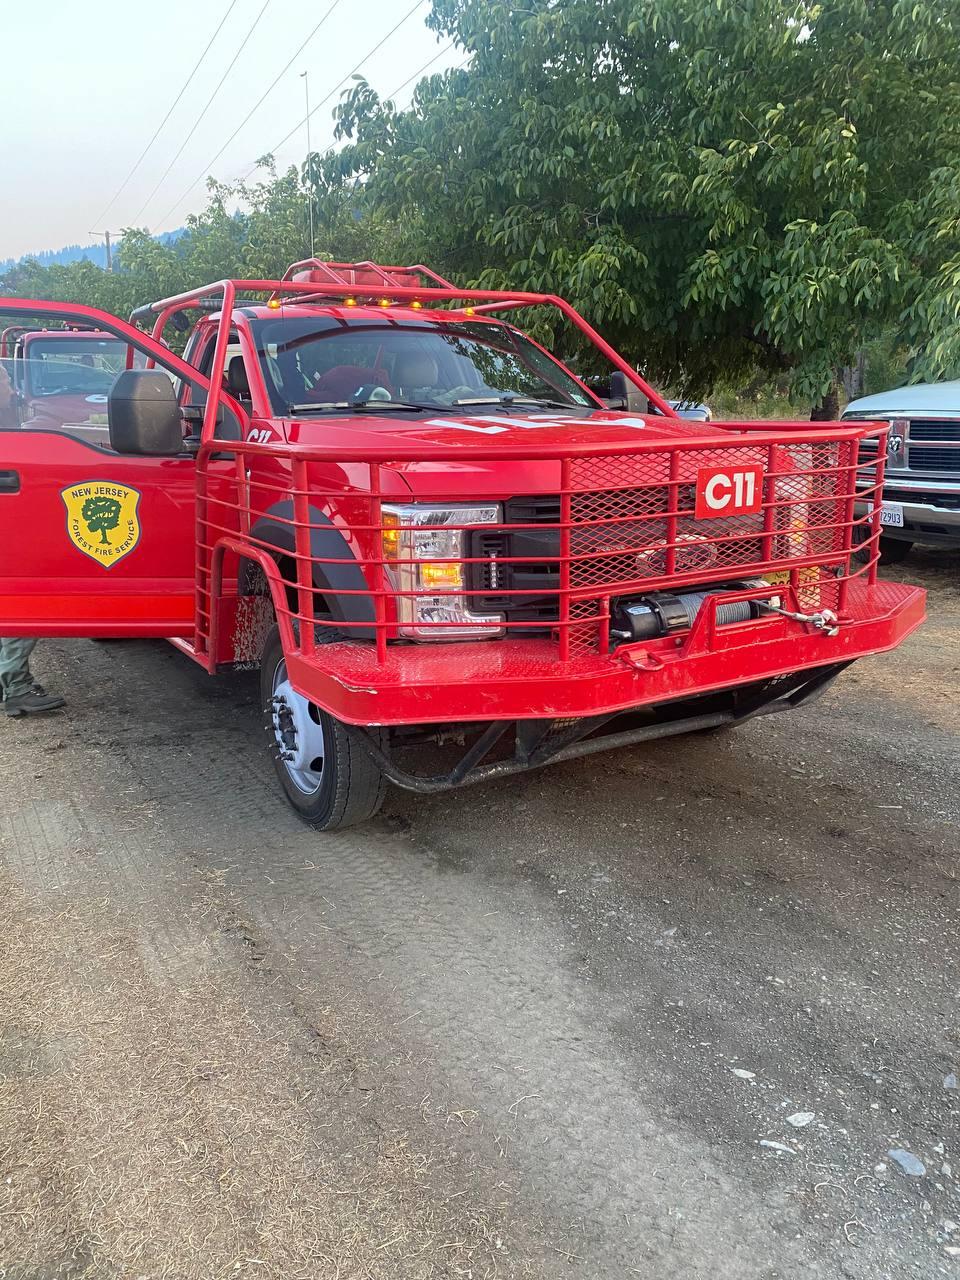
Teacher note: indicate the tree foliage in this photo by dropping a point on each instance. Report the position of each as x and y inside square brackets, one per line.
[723, 187]
[728, 189]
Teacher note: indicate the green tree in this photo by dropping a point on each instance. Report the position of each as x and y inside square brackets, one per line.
[101, 515]
[725, 188]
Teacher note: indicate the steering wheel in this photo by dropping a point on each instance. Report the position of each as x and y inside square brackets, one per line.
[453, 394]
[371, 391]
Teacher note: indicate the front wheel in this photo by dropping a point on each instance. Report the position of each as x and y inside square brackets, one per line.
[892, 550]
[327, 776]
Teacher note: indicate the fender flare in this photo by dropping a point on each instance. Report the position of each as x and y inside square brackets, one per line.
[342, 574]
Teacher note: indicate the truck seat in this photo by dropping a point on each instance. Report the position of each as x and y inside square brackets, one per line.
[344, 380]
[238, 384]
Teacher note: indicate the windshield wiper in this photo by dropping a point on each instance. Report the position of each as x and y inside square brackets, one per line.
[359, 406]
[509, 401]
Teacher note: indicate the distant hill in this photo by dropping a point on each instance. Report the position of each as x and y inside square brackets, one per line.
[96, 253]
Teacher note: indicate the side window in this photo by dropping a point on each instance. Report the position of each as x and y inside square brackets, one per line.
[59, 365]
[200, 353]
[63, 378]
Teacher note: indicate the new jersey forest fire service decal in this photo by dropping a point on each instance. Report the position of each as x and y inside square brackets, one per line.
[102, 519]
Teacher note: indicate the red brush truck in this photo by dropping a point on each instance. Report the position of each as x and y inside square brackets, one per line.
[62, 376]
[423, 528]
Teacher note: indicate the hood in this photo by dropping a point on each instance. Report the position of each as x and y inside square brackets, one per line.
[922, 397]
[446, 476]
[451, 432]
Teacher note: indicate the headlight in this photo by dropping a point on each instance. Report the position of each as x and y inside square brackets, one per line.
[432, 540]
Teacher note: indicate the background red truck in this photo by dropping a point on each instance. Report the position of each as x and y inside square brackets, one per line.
[424, 529]
[61, 376]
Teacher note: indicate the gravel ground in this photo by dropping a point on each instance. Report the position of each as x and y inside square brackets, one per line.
[663, 1013]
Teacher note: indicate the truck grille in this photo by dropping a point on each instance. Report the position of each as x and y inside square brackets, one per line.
[496, 574]
[930, 429]
[933, 459]
[928, 447]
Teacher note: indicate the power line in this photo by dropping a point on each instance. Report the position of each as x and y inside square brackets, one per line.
[399, 89]
[123, 185]
[253, 109]
[376, 47]
[196, 124]
[417, 74]
[458, 67]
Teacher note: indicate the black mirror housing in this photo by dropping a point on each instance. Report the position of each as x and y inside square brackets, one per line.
[143, 414]
[618, 390]
[625, 394]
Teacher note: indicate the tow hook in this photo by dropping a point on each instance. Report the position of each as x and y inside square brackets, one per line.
[640, 659]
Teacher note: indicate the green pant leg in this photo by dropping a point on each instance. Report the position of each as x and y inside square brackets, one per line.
[15, 677]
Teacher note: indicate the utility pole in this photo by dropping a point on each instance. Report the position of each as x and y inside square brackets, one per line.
[106, 240]
[306, 93]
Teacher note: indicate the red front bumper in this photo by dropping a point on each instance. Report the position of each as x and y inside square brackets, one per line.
[523, 679]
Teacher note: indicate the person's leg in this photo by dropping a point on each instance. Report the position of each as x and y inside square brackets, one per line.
[22, 696]
[15, 677]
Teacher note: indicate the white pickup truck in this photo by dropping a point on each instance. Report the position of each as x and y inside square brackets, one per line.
[921, 491]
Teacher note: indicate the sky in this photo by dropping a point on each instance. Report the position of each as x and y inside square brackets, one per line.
[87, 82]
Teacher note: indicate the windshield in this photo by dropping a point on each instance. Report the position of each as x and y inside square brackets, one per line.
[321, 360]
[71, 366]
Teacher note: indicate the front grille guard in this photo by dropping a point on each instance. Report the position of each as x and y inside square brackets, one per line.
[625, 527]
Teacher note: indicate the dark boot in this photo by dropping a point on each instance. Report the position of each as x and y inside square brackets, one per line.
[35, 701]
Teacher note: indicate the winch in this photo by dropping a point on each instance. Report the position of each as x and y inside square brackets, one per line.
[661, 613]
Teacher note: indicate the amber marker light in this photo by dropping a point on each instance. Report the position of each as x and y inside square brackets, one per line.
[350, 302]
[416, 304]
[385, 302]
[390, 535]
[274, 304]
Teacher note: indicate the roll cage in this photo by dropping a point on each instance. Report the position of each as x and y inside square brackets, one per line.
[330, 282]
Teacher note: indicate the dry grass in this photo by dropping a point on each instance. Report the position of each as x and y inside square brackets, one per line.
[173, 1132]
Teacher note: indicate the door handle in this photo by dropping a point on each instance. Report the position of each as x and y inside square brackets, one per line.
[9, 481]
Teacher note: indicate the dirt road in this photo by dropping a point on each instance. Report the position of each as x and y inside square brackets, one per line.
[663, 1013]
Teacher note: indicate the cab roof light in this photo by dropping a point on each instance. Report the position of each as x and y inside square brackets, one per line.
[349, 302]
[274, 304]
[385, 302]
[416, 304]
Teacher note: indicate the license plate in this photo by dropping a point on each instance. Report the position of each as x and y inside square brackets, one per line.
[891, 514]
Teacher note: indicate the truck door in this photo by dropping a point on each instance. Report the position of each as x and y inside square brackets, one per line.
[94, 542]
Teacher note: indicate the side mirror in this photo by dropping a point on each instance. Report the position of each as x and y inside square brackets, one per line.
[625, 395]
[618, 390]
[143, 414]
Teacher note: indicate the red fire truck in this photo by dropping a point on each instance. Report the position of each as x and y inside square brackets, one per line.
[425, 530]
[62, 376]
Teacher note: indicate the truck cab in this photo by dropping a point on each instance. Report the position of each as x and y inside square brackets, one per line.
[422, 528]
[921, 492]
[61, 377]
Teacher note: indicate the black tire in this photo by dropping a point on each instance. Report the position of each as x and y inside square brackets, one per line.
[892, 550]
[351, 786]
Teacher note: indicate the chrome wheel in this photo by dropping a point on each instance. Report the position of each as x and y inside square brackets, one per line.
[298, 733]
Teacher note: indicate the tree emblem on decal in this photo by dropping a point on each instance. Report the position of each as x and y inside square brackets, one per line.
[100, 515]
